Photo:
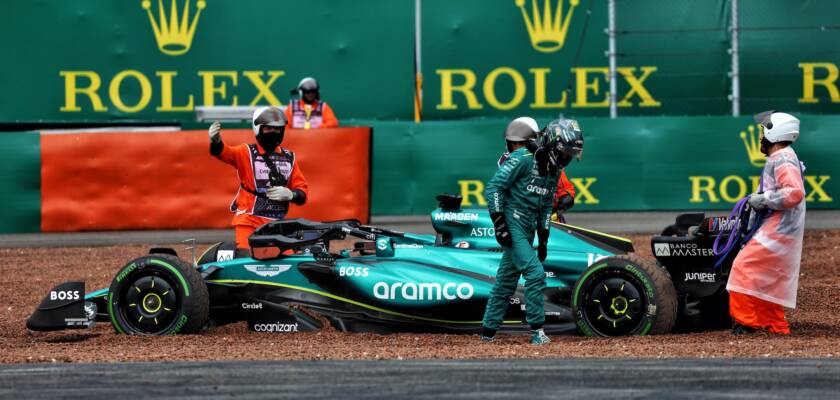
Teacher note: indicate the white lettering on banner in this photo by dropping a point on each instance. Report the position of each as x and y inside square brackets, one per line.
[423, 291]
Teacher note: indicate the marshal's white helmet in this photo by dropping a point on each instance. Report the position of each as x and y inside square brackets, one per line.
[268, 116]
[778, 127]
[521, 129]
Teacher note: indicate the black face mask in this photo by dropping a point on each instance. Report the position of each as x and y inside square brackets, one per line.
[269, 141]
[310, 96]
[765, 146]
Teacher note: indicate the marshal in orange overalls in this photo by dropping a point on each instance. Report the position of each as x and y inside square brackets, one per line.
[250, 206]
[317, 115]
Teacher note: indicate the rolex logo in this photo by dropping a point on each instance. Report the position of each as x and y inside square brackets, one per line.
[752, 142]
[547, 29]
[174, 35]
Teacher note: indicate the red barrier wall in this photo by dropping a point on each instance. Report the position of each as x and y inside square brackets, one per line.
[169, 180]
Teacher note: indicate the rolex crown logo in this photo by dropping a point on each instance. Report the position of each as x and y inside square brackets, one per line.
[174, 35]
[752, 142]
[547, 29]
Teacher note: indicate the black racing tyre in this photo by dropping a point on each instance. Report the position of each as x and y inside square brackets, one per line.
[158, 294]
[624, 295]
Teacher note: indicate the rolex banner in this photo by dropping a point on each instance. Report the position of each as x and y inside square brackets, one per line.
[518, 57]
[99, 60]
[643, 163]
[156, 60]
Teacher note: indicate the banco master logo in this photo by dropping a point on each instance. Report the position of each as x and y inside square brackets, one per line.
[547, 29]
[752, 142]
[174, 35]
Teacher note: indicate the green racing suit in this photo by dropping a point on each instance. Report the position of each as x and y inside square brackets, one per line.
[525, 198]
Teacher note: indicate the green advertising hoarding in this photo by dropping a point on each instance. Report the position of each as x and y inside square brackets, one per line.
[20, 182]
[156, 60]
[100, 60]
[517, 57]
[640, 163]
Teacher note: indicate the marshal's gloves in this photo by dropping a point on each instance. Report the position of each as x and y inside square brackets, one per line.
[757, 201]
[215, 132]
[279, 193]
[565, 203]
[502, 230]
[542, 247]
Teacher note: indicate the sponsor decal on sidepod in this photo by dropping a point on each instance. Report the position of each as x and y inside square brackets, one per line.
[422, 291]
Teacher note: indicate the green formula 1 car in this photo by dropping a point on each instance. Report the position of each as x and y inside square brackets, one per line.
[301, 275]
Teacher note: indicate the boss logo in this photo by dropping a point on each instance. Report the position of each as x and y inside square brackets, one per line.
[65, 295]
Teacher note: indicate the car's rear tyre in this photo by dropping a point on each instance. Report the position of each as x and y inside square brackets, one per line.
[158, 295]
[624, 295]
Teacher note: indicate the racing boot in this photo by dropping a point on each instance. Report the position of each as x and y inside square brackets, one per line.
[538, 337]
[487, 335]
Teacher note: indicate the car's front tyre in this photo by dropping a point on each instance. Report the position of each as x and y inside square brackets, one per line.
[158, 295]
[624, 295]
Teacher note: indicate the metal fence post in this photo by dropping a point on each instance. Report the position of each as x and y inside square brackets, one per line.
[735, 96]
[611, 40]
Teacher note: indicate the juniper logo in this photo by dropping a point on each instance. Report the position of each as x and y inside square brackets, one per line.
[752, 142]
[174, 33]
[547, 28]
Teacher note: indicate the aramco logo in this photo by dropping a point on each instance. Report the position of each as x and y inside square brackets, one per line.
[752, 142]
[547, 29]
[174, 35]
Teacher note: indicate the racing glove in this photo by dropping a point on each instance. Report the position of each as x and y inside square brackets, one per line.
[757, 201]
[215, 132]
[566, 202]
[279, 193]
[542, 247]
[502, 230]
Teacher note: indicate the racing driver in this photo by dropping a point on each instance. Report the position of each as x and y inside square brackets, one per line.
[521, 130]
[520, 196]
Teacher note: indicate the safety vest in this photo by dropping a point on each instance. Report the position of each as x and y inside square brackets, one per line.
[276, 173]
[307, 117]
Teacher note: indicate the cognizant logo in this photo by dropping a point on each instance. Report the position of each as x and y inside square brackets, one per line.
[275, 327]
[422, 291]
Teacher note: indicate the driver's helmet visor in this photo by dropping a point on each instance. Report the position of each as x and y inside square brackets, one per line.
[571, 150]
[572, 144]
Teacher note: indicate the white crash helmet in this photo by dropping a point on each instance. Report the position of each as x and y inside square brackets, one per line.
[268, 116]
[521, 129]
[778, 126]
